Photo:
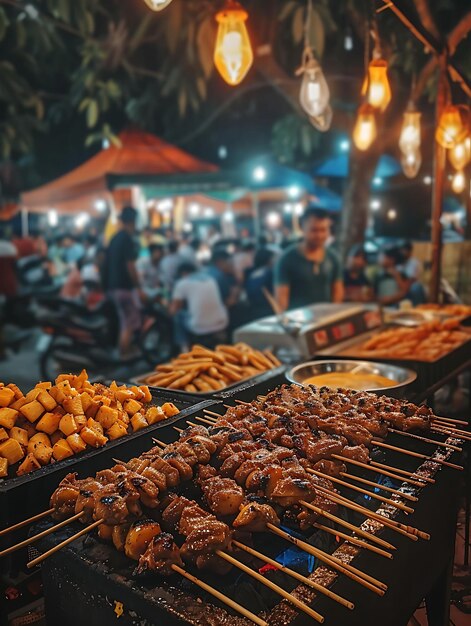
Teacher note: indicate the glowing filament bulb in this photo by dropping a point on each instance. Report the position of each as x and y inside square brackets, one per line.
[409, 141]
[411, 163]
[379, 90]
[233, 54]
[157, 5]
[315, 94]
[452, 126]
[364, 132]
[458, 183]
[460, 154]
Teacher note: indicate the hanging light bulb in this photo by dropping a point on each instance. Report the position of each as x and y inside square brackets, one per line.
[364, 132]
[410, 132]
[453, 126]
[458, 182]
[157, 5]
[378, 88]
[460, 154]
[315, 94]
[411, 163]
[324, 121]
[233, 54]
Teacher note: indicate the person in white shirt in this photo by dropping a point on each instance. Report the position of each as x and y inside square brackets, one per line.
[196, 305]
[169, 265]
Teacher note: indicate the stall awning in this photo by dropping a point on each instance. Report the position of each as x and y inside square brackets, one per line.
[140, 154]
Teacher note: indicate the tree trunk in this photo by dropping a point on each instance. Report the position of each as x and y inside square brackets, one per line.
[356, 199]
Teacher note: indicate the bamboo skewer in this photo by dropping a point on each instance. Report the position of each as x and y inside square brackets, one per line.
[370, 494]
[25, 522]
[416, 478]
[220, 596]
[408, 531]
[64, 543]
[268, 583]
[438, 418]
[453, 429]
[371, 483]
[203, 420]
[208, 412]
[378, 587]
[353, 540]
[426, 440]
[444, 430]
[303, 579]
[417, 455]
[386, 470]
[359, 531]
[44, 533]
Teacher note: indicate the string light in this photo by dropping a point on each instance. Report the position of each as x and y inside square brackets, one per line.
[378, 88]
[411, 163]
[458, 183]
[157, 5]
[365, 131]
[314, 95]
[460, 154]
[410, 132]
[233, 55]
[452, 126]
[409, 142]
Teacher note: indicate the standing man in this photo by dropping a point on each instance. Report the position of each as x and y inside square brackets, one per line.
[308, 272]
[121, 279]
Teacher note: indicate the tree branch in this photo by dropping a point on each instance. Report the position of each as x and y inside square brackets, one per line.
[425, 15]
[454, 38]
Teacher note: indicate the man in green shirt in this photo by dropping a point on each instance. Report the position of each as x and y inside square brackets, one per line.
[308, 272]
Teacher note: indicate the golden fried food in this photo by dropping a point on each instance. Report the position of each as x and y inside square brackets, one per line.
[53, 422]
[426, 342]
[202, 370]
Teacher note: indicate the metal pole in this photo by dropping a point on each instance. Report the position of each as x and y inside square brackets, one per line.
[439, 162]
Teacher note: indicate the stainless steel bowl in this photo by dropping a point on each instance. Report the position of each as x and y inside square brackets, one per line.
[401, 376]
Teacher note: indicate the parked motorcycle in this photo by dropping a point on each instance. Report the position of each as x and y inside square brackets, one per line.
[75, 337]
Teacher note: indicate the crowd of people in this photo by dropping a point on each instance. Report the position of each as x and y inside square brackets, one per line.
[208, 290]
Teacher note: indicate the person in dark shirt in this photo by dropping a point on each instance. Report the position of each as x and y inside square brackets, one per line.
[309, 272]
[121, 278]
[260, 277]
[357, 286]
[221, 269]
[391, 285]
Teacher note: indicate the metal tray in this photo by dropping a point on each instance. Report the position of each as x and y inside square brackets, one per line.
[24, 496]
[219, 393]
[428, 372]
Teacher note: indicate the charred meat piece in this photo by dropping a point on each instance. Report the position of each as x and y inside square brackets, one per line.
[139, 536]
[114, 508]
[65, 496]
[254, 517]
[85, 502]
[160, 555]
[223, 495]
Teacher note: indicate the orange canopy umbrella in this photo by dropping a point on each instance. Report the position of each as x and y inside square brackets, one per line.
[139, 153]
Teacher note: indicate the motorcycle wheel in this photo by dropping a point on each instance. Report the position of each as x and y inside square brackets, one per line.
[50, 365]
[156, 344]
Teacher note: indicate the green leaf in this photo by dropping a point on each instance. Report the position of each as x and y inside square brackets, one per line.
[84, 104]
[20, 34]
[140, 31]
[4, 23]
[182, 102]
[92, 113]
[201, 87]
[205, 41]
[114, 90]
[287, 9]
[297, 26]
[316, 32]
